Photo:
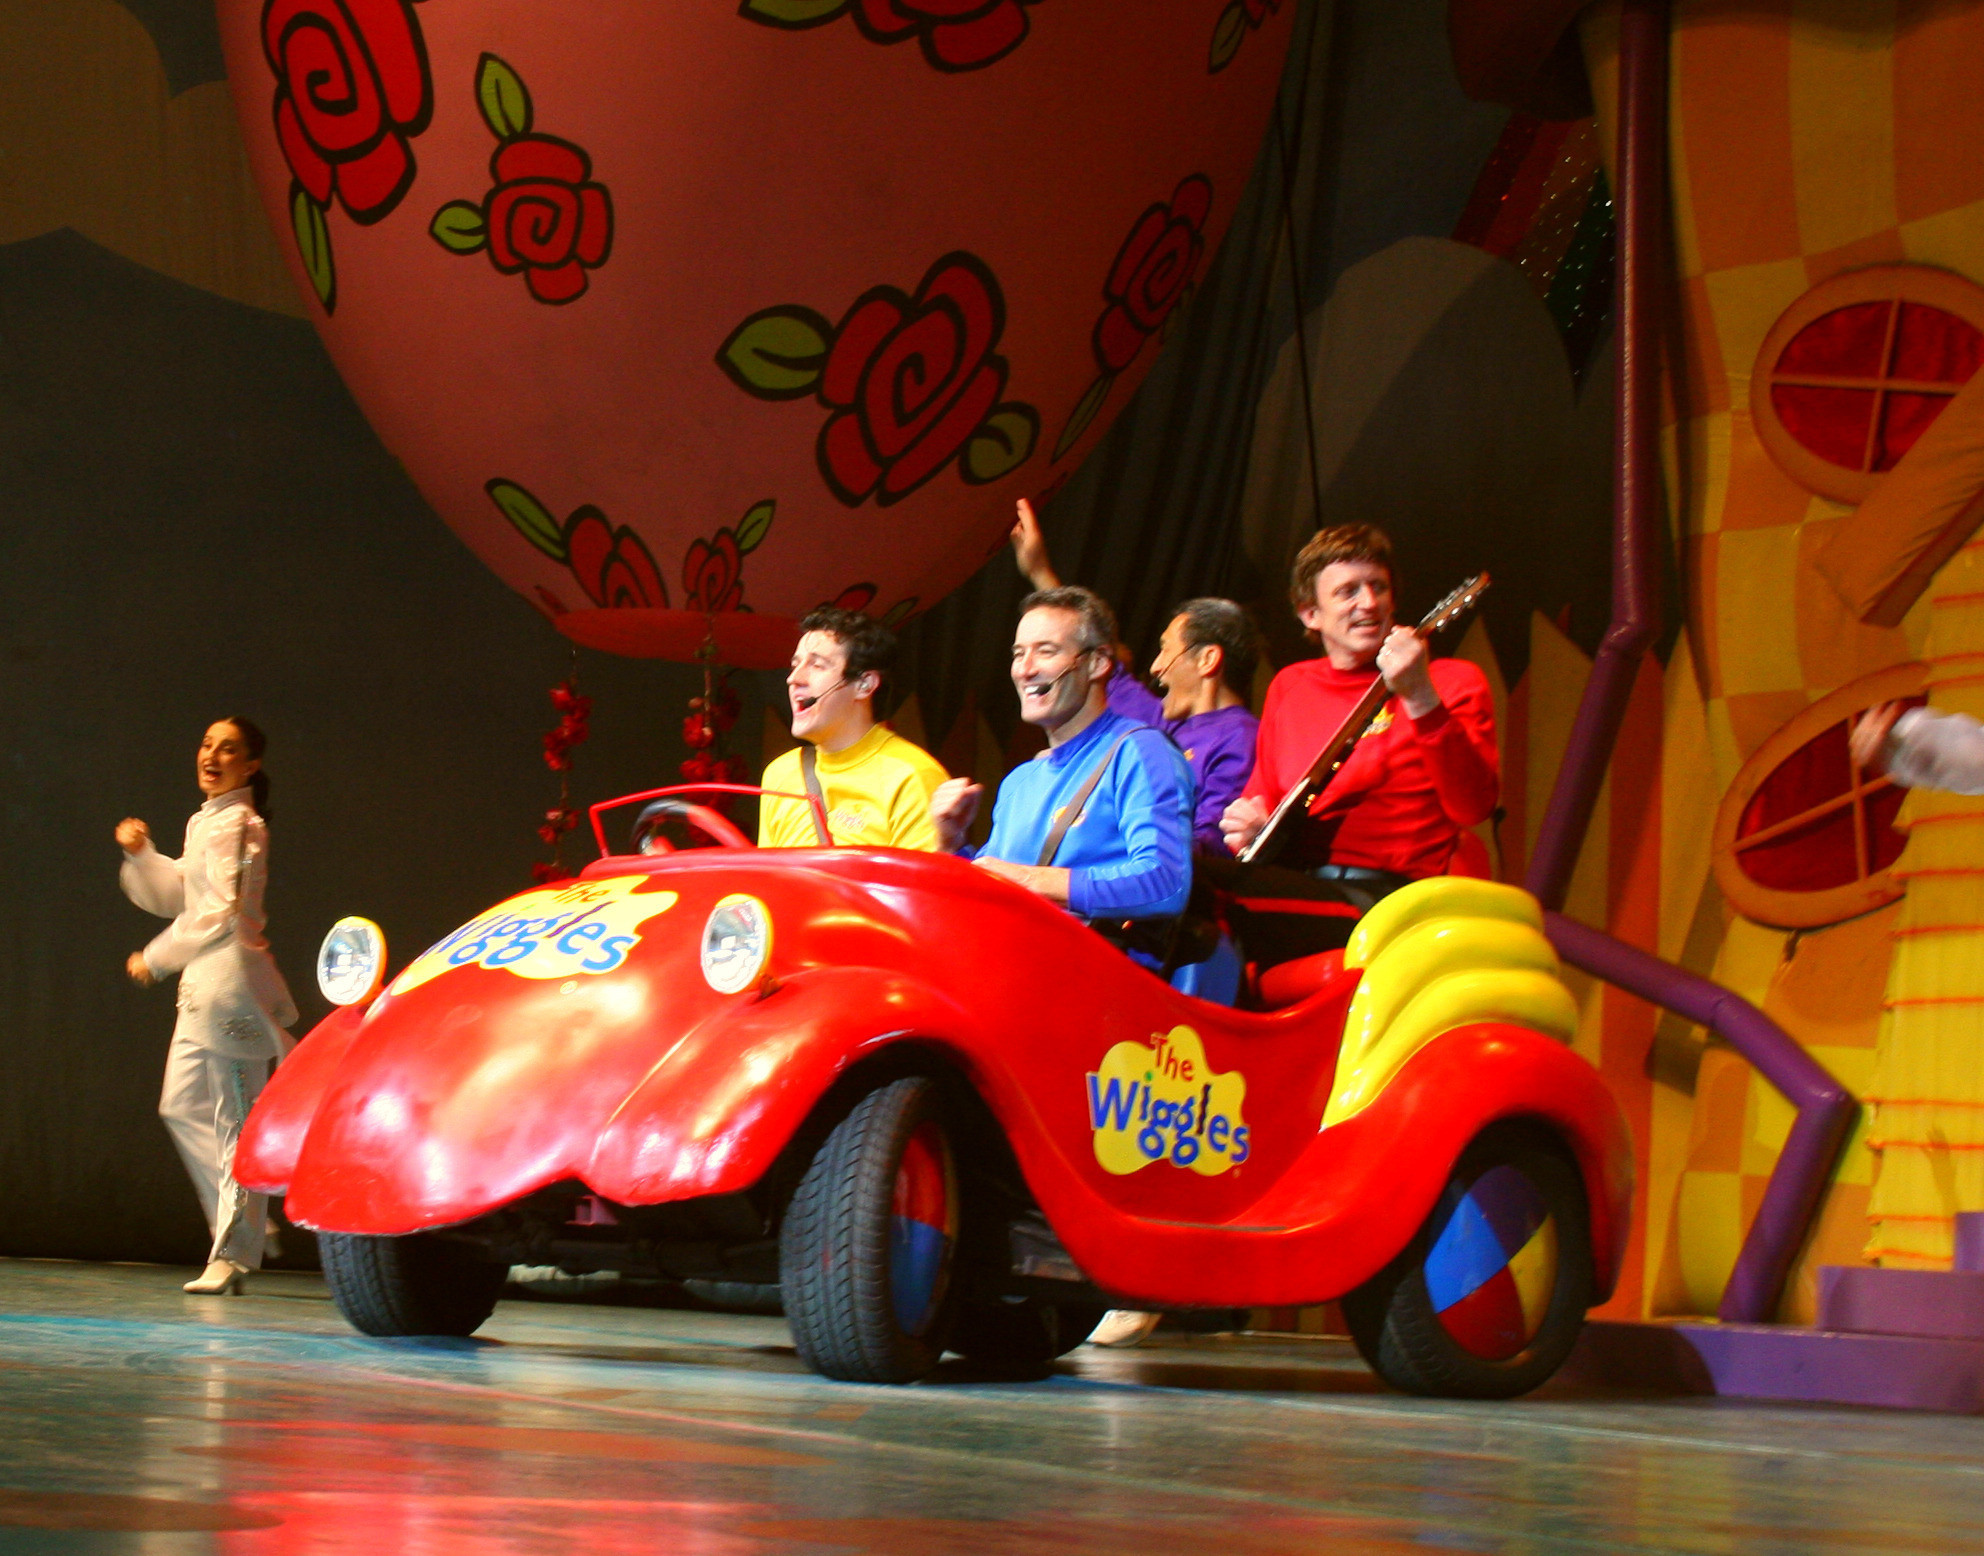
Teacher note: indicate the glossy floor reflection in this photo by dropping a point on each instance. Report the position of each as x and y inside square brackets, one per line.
[139, 1420]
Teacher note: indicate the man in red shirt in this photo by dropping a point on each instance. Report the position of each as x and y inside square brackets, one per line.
[1425, 771]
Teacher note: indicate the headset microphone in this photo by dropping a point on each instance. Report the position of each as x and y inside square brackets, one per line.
[805, 704]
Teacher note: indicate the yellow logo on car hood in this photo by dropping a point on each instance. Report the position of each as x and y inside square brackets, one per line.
[1164, 1103]
[575, 929]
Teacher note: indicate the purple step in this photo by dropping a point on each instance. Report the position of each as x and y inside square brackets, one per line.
[1778, 1361]
[1942, 1304]
[1969, 1242]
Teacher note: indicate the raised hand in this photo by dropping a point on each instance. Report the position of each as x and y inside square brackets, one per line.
[1870, 735]
[1030, 549]
[132, 834]
[952, 805]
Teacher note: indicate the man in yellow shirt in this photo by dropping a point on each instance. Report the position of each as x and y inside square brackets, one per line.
[876, 785]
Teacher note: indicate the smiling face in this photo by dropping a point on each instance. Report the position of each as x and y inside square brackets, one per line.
[1184, 672]
[224, 763]
[1051, 671]
[1352, 612]
[830, 708]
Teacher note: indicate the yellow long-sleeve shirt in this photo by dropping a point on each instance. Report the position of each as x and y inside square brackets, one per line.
[877, 791]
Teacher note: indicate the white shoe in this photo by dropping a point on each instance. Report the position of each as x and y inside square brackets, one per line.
[1122, 1327]
[272, 1241]
[222, 1278]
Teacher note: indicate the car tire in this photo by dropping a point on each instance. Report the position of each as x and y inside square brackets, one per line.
[737, 1296]
[869, 1243]
[1488, 1298]
[415, 1285]
[1024, 1336]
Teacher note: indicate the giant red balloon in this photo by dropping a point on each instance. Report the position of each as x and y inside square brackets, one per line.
[688, 315]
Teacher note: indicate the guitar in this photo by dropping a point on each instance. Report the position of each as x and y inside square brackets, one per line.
[1280, 825]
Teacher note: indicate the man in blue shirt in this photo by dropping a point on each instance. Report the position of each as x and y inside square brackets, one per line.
[1205, 665]
[1127, 852]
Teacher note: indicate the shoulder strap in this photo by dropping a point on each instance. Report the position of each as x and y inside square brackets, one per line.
[809, 769]
[1072, 811]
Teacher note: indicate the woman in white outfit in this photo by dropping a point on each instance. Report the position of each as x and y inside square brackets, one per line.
[233, 1004]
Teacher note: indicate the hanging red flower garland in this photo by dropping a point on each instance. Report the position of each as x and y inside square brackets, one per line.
[574, 712]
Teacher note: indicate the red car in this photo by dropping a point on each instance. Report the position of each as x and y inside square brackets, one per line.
[941, 1114]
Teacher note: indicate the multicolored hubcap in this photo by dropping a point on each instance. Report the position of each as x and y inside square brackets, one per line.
[1494, 1266]
[923, 1228]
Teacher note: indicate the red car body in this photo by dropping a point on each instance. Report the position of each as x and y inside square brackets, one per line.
[473, 1086]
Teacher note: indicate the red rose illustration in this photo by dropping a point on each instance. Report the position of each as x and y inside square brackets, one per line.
[352, 88]
[545, 217]
[613, 567]
[913, 378]
[1151, 272]
[955, 34]
[710, 574]
[855, 597]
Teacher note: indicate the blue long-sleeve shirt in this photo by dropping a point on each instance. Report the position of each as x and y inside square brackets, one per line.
[1129, 854]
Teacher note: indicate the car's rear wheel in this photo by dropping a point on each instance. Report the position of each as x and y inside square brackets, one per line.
[1487, 1299]
[869, 1243]
[415, 1285]
[1022, 1335]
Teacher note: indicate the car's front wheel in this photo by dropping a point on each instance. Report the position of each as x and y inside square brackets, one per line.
[414, 1285]
[869, 1242]
[1487, 1299]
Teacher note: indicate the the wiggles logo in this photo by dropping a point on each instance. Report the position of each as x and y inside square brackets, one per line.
[1166, 1104]
[579, 927]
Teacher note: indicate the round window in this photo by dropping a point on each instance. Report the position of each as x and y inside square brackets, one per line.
[1856, 370]
[1804, 838]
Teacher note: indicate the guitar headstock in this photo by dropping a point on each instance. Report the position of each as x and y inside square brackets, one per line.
[1456, 605]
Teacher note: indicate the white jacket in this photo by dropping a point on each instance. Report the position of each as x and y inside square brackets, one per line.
[1937, 751]
[232, 997]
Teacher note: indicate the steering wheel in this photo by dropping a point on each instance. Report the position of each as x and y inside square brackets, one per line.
[713, 824]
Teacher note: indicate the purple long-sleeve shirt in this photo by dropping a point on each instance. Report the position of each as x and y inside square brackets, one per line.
[1218, 747]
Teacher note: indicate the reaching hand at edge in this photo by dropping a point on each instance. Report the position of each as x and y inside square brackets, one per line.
[1030, 549]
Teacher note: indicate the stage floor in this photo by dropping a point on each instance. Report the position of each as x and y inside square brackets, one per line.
[140, 1420]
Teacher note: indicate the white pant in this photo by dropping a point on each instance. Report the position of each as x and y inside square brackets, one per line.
[204, 1104]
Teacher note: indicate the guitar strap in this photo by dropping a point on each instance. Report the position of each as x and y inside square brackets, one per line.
[1072, 811]
[809, 769]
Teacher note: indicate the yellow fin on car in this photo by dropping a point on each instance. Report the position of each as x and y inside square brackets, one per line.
[1440, 954]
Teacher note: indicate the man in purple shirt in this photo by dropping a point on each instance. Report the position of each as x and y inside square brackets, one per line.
[1205, 663]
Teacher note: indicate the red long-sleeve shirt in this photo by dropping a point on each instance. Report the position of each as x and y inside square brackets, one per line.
[1401, 800]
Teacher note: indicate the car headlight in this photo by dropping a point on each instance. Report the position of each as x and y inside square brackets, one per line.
[737, 942]
[351, 963]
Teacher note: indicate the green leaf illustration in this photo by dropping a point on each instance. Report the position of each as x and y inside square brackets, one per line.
[1084, 413]
[313, 243]
[1002, 444]
[1227, 35]
[899, 612]
[458, 227]
[791, 13]
[505, 102]
[533, 521]
[777, 353]
[755, 525]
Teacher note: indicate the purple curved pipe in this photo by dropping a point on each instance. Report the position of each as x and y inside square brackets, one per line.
[1825, 1110]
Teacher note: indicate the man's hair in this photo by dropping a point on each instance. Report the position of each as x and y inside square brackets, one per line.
[870, 645]
[1338, 543]
[1221, 624]
[1096, 629]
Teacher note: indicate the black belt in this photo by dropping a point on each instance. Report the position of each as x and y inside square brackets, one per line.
[1359, 875]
